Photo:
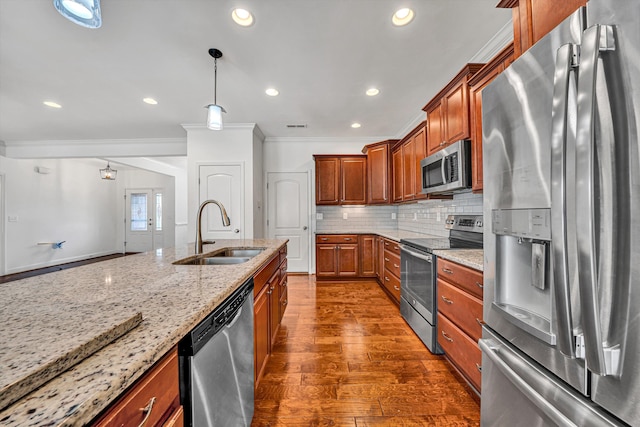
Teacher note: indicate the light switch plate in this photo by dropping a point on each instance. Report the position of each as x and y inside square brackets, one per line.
[13, 218]
[345, 215]
[393, 215]
[319, 215]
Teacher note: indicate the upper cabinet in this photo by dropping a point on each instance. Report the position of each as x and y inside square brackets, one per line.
[448, 112]
[379, 171]
[407, 174]
[533, 19]
[477, 83]
[341, 180]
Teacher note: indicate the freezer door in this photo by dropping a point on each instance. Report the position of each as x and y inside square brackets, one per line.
[608, 195]
[530, 271]
[516, 391]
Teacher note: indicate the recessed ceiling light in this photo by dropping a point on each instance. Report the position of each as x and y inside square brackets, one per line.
[355, 125]
[372, 91]
[52, 104]
[272, 92]
[150, 101]
[242, 17]
[402, 17]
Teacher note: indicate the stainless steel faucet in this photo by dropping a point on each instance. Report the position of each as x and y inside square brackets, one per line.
[225, 221]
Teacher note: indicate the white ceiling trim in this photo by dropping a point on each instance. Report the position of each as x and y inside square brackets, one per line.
[143, 147]
[322, 139]
[498, 42]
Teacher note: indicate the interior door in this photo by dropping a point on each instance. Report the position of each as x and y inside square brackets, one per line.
[222, 182]
[143, 219]
[288, 215]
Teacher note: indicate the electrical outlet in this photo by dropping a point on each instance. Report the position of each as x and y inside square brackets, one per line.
[13, 218]
[320, 216]
[415, 216]
[345, 215]
[438, 216]
[393, 215]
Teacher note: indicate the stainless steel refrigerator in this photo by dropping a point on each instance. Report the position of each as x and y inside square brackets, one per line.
[561, 344]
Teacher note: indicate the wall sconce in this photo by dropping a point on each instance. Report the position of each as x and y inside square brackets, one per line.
[214, 111]
[108, 173]
[82, 12]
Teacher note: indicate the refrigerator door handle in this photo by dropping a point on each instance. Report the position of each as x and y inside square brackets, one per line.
[512, 368]
[601, 360]
[565, 62]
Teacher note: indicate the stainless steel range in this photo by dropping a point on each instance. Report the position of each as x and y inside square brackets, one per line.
[418, 304]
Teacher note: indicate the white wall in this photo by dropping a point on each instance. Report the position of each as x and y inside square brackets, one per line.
[234, 144]
[70, 203]
[258, 186]
[141, 179]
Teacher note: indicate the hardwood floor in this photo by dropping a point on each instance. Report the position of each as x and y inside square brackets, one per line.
[345, 357]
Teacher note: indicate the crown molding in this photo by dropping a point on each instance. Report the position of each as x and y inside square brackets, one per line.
[503, 37]
[325, 139]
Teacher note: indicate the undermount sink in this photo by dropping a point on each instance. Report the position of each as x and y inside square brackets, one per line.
[225, 256]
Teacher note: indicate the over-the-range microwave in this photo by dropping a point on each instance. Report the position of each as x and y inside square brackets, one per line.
[448, 171]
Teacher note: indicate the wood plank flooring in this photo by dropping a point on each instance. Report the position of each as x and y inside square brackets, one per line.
[345, 357]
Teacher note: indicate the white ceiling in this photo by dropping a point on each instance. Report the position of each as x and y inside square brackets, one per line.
[320, 54]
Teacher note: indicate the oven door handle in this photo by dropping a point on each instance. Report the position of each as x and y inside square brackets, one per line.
[424, 257]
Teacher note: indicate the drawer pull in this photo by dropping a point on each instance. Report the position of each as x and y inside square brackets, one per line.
[480, 322]
[447, 300]
[396, 287]
[147, 409]
[284, 302]
[480, 285]
[347, 239]
[479, 367]
[396, 265]
[386, 243]
[446, 270]
[447, 337]
[396, 248]
[386, 279]
[324, 239]
[387, 259]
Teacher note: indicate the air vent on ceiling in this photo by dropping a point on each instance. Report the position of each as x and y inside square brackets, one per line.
[294, 126]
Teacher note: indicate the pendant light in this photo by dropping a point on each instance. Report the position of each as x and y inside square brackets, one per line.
[214, 111]
[82, 12]
[108, 173]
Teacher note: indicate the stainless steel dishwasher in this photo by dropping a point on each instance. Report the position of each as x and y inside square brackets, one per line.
[216, 365]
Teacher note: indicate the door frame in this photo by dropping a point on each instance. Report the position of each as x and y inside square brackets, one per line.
[3, 243]
[153, 190]
[310, 213]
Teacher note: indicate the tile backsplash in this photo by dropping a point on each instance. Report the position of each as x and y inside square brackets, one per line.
[424, 217]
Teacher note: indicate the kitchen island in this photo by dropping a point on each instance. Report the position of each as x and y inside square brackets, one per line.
[172, 299]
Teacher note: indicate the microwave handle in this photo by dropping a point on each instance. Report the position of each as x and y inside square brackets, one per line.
[444, 169]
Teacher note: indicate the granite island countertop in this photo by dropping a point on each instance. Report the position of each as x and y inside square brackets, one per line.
[173, 299]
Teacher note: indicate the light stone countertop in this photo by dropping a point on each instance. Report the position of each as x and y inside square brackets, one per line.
[393, 234]
[473, 258]
[173, 299]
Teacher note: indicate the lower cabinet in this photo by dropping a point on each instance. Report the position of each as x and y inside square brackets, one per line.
[391, 269]
[270, 301]
[154, 400]
[460, 317]
[337, 256]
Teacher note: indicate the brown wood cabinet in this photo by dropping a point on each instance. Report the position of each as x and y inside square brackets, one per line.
[269, 294]
[337, 256]
[407, 174]
[398, 175]
[477, 83]
[379, 172]
[448, 112]
[533, 19]
[156, 395]
[459, 290]
[341, 180]
[367, 249]
[391, 272]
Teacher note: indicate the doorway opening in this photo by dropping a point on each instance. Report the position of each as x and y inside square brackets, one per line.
[144, 228]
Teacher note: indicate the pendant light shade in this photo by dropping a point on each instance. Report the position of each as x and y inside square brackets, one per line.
[214, 111]
[82, 12]
[108, 173]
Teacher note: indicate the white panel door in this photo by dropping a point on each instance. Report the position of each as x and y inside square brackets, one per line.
[288, 215]
[143, 219]
[223, 183]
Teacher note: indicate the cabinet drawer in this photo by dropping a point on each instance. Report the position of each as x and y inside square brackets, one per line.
[336, 238]
[393, 247]
[462, 350]
[461, 308]
[392, 283]
[262, 277]
[392, 263]
[464, 277]
[160, 384]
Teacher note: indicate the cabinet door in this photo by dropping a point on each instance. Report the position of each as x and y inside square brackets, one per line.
[348, 260]
[274, 308]
[398, 175]
[420, 147]
[326, 260]
[367, 256]
[354, 180]
[378, 174]
[455, 111]
[261, 332]
[435, 137]
[327, 181]
[409, 172]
